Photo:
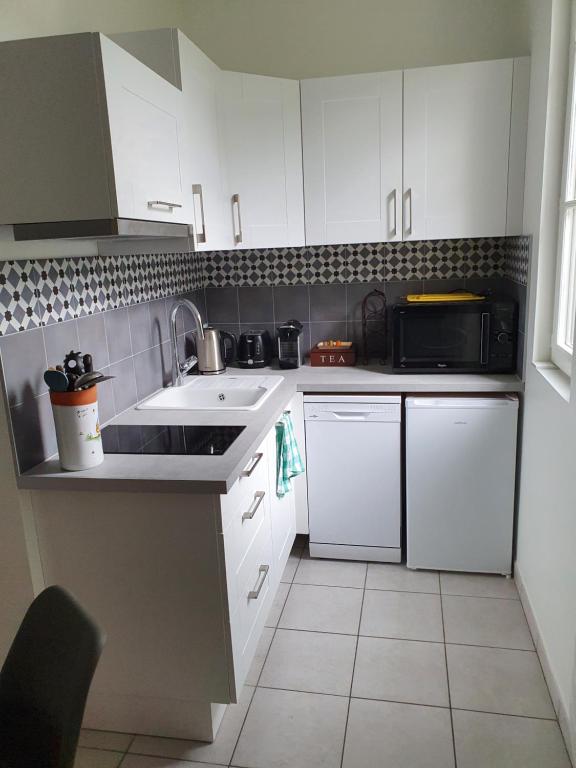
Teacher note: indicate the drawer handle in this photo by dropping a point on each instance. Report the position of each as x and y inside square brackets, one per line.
[251, 511]
[263, 572]
[165, 203]
[252, 466]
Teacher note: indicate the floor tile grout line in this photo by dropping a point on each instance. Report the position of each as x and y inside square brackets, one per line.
[353, 668]
[264, 664]
[448, 678]
[242, 726]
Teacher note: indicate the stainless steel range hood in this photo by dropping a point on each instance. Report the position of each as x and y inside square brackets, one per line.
[98, 229]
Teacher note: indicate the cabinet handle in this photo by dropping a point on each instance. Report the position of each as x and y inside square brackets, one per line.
[165, 203]
[197, 190]
[263, 572]
[393, 231]
[408, 208]
[252, 509]
[237, 234]
[252, 466]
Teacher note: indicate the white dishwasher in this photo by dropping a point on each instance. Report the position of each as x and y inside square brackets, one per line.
[460, 476]
[353, 448]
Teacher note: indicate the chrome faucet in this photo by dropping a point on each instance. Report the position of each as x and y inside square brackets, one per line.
[181, 368]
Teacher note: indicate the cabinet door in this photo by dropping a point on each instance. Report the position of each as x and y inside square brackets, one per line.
[352, 148]
[202, 171]
[261, 139]
[456, 142]
[145, 115]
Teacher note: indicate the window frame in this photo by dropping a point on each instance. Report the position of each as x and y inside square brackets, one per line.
[565, 279]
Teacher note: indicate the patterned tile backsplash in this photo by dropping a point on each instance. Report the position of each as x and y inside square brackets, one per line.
[117, 307]
[36, 293]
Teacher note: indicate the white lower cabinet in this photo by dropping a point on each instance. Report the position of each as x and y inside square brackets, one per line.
[182, 585]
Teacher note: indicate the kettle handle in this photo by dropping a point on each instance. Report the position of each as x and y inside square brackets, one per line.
[230, 350]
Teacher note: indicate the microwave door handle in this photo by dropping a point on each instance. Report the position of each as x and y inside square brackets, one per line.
[484, 337]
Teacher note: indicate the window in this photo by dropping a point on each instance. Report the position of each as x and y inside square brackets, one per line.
[562, 347]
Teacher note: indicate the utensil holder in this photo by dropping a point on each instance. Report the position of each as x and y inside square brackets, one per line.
[77, 429]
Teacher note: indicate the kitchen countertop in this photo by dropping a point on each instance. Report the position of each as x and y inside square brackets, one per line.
[217, 474]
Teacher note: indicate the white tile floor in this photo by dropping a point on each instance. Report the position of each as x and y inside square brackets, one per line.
[363, 666]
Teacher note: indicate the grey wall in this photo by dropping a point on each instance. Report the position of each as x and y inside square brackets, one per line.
[130, 343]
[299, 38]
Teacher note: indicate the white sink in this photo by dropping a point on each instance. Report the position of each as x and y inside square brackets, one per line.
[216, 393]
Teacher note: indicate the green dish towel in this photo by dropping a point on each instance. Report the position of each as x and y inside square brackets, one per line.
[288, 460]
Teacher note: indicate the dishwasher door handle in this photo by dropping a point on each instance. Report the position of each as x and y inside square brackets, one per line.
[351, 415]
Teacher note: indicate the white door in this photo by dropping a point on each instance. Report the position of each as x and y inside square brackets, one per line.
[202, 164]
[352, 148]
[261, 138]
[456, 143]
[145, 116]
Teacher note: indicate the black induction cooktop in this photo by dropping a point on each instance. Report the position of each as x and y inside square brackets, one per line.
[168, 440]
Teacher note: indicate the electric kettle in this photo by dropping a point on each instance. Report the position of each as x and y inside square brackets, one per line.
[215, 351]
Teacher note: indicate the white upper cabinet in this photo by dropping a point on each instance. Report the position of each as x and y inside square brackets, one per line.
[261, 140]
[147, 137]
[202, 167]
[456, 150]
[352, 146]
[87, 132]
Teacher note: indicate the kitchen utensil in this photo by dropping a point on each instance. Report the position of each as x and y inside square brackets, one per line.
[89, 379]
[289, 344]
[87, 362]
[57, 381]
[212, 352]
[73, 363]
[254, 349]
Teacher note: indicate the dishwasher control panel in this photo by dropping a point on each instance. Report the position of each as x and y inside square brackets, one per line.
[378, 408]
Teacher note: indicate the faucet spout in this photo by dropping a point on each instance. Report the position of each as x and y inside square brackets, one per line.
[181, 367]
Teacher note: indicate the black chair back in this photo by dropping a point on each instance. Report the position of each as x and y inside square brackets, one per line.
[45, 681]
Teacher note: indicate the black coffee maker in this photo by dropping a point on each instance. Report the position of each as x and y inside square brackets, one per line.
[289, 354]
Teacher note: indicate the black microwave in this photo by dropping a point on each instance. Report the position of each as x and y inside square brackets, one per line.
[455, 337]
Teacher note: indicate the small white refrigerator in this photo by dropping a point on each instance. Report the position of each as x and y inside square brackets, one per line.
[460, 480]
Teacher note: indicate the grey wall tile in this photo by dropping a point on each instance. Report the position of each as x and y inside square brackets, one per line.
[443, 286]
[60, 339]
[139, 318]
[256, 305]
[124, 385]
[355, 294]
[152, 368]
[379, 342]
[118, 334]
[199, 300]
[92, 336]
[106, 408]
[34, 433]
[222, 305]
[23, 364]
[328, 330]
[159, 331]
[327, 302]
[396, 289]
[291, 302]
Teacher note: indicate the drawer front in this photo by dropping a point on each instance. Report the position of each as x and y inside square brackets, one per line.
[255, 594]
[239, 535]
[254, 478]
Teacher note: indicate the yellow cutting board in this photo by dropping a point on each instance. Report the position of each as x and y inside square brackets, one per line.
[414, 298]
